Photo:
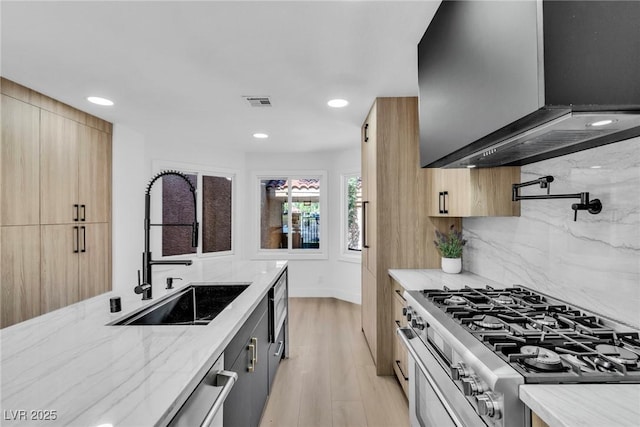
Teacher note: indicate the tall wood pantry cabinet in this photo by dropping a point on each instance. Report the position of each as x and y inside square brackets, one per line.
[397, 232]
[55, 188]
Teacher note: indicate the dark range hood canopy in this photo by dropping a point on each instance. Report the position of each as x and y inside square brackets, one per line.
[512, 83]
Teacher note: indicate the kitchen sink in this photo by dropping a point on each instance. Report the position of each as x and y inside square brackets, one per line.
[196, 304]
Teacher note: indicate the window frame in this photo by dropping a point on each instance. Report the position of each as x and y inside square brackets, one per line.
[290, 254]
[156, 208]
[347, 254]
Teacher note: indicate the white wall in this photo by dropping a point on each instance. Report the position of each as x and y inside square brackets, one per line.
[593, 262]
[330, 277]
[134, 158]
[129, 175]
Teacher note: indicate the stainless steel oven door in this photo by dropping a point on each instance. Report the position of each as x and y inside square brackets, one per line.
[434, 399]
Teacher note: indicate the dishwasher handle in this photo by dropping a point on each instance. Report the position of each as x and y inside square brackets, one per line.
[226, 380]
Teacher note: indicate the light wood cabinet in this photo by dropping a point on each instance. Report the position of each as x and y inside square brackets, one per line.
[59, 266]
[20, 273]
[94, 266]
[94, 174]
[20, 158]
[536, 421]
[369, 314]
[397, 231]
[401, 357]
[56, 175]
[472, 192]
[369, 182]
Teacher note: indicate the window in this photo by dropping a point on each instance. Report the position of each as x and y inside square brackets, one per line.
[354, 213]
[214, 197]
[351, 216]
[291, 214]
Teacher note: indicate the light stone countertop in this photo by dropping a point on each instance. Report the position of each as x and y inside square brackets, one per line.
[584, 405]
[71, 362]
[416, 280]
[559, 405]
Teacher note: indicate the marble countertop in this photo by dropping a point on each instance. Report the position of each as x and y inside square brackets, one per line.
[559, 405]
[584, 405]
[69, 361]
[416, 280]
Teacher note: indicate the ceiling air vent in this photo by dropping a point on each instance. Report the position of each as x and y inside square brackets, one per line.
[258, 101]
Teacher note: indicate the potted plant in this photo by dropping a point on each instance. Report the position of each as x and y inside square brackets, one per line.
[450, 247]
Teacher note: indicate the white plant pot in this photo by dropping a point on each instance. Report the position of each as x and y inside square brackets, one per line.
[452, 265]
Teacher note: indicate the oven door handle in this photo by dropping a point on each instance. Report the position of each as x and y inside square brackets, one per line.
[402, 333]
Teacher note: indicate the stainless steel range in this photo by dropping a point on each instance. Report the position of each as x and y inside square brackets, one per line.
[470, 349]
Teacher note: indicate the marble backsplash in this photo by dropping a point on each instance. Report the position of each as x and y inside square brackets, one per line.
[594, 262]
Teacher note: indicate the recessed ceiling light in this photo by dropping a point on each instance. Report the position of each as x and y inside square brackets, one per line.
[602, 122]
[596, 167]
[471, 166]
[338, 103]
[260, 135]
[99, 101]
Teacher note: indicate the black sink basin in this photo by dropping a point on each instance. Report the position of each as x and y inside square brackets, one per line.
[197, 304]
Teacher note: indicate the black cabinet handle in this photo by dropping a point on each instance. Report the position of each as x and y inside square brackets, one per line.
[366, 132]
[77, 213]
[77, 242]
[442, 202]
[364, 225]
[84, 239]
[406, 378]
[445, 195]
[84, 212]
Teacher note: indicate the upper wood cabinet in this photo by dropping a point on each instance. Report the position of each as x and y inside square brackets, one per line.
[397, 231]
[20, 158]
[76, 176]
[95, 174]
[472, 192]
[59, 172]
[56, 204]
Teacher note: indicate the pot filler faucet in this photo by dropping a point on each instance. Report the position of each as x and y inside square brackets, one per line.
[592, 206]
[144, 288]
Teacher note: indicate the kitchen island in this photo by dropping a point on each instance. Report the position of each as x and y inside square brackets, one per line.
[558, 405]
[70, 368]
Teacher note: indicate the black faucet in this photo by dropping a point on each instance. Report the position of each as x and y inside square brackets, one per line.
[593, 206]
[145, 288]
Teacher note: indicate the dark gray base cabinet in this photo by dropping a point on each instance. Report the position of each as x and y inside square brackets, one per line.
[255, 359]
[243, 407]
[276, 354]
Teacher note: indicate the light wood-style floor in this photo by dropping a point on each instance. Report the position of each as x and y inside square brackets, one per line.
[329, 379]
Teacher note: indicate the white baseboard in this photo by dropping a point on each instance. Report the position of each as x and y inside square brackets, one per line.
[324, 293]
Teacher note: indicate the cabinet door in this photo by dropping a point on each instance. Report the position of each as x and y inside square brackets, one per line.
[20, 158]
[59, 266]
[237, 411]
[369, 191]
[369, 311]
[94, 174]
[59, 169]
[260, 377]
[276, 354]
[448, 192]
[94, 256]
[19, 273]
[400, 365]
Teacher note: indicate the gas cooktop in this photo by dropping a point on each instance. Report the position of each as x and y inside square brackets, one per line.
[544, 339]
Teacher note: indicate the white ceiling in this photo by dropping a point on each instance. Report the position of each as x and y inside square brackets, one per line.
[177, 71]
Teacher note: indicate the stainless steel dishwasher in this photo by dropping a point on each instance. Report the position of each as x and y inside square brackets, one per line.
[204, 406]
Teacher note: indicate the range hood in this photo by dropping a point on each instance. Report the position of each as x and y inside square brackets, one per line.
[511, 83]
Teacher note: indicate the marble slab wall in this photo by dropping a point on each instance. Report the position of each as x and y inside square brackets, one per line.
[594, 262]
